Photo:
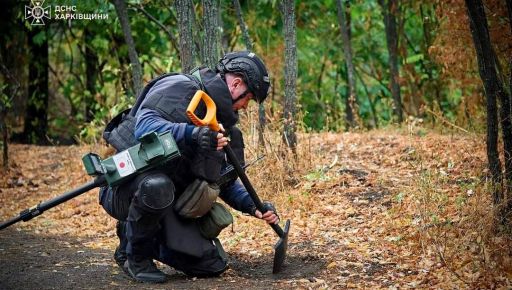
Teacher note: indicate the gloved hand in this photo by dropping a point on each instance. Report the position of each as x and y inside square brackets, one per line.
[270, 215]
[207, 139]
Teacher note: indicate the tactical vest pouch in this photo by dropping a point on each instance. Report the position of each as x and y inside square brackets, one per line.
[197, 199]
[207, 165]
[212, 223]
[119, 132]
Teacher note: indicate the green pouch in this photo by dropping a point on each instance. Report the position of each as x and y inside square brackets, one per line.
[212, 223]
[197, 199]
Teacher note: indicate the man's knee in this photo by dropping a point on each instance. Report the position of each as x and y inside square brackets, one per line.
[115, 203]
[155, 193]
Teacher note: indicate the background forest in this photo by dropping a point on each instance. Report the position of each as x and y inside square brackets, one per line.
[89, 68]
[397, 113]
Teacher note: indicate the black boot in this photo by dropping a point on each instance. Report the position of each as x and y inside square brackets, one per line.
[120, 254]
[144, 270]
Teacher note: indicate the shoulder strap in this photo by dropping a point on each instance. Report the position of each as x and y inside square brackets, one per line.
[194, 76]
[195, 72]
[145, 91]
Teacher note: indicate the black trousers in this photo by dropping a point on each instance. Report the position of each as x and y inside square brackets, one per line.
[145, 236]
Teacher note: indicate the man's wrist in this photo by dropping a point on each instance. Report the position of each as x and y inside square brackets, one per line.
[251, 210]
[189, 130]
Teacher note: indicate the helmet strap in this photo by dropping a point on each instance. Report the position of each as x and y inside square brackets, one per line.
[242, 95]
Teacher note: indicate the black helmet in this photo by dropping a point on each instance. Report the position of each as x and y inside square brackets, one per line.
[251, 68]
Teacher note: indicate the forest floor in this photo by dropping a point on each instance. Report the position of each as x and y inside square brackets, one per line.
[386, 209]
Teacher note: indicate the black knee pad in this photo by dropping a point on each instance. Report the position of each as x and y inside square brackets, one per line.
[155, 192]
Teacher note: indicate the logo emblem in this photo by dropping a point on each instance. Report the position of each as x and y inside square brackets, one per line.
[36, 12]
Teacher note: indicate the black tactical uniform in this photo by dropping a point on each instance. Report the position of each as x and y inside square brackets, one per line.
[149, 228]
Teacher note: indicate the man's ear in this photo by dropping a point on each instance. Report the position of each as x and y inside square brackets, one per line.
[237, 81]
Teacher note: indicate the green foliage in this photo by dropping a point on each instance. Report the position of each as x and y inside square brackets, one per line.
[5, 100]
[40, 37]
[322, 76]
[399, 197]
[317, 175]
[91, 132]
[414, 58]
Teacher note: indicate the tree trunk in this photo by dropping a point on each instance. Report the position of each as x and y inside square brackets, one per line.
[12, 36]
[185, 20]
[428, 17]
[248, 44]
[506, 127]
[91, 74]
[5, 103]
[36, 118]
[349, 113]
[290, 74]
[122, 13]
[319, 80]
[243, 26]
[211, 33]
[370, 101]
[5, 150]
[507, 117]
[347, 51]
[389, 9]
[492, 85]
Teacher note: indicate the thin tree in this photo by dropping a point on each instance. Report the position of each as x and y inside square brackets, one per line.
[248, 44]
[243, 26]
[506, 118]
[429, 24]
[5, 105]
[12, 36]
[122, 13]
[351, 104]
[211, 32]
[290, 73]
[389, 10]
[36, 117]
[91, 73]
[185, 19]
[370, 101]
[494, 90]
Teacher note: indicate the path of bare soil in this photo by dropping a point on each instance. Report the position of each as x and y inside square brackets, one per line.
[49, 262]
[353, 219]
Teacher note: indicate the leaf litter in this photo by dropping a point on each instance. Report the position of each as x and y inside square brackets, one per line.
[380, 209]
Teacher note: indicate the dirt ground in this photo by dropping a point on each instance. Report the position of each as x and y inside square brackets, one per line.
[359, 211]
[51, 262]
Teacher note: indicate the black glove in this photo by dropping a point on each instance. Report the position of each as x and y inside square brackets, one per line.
[205, 138]
[267, 206]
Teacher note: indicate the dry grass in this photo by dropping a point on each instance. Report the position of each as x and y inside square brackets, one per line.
[443, 210]
[451, 206]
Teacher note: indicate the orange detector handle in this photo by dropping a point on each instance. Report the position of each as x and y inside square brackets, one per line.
[210, 119]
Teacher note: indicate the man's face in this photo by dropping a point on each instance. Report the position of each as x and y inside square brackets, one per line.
[243, 102]
[239, 93]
